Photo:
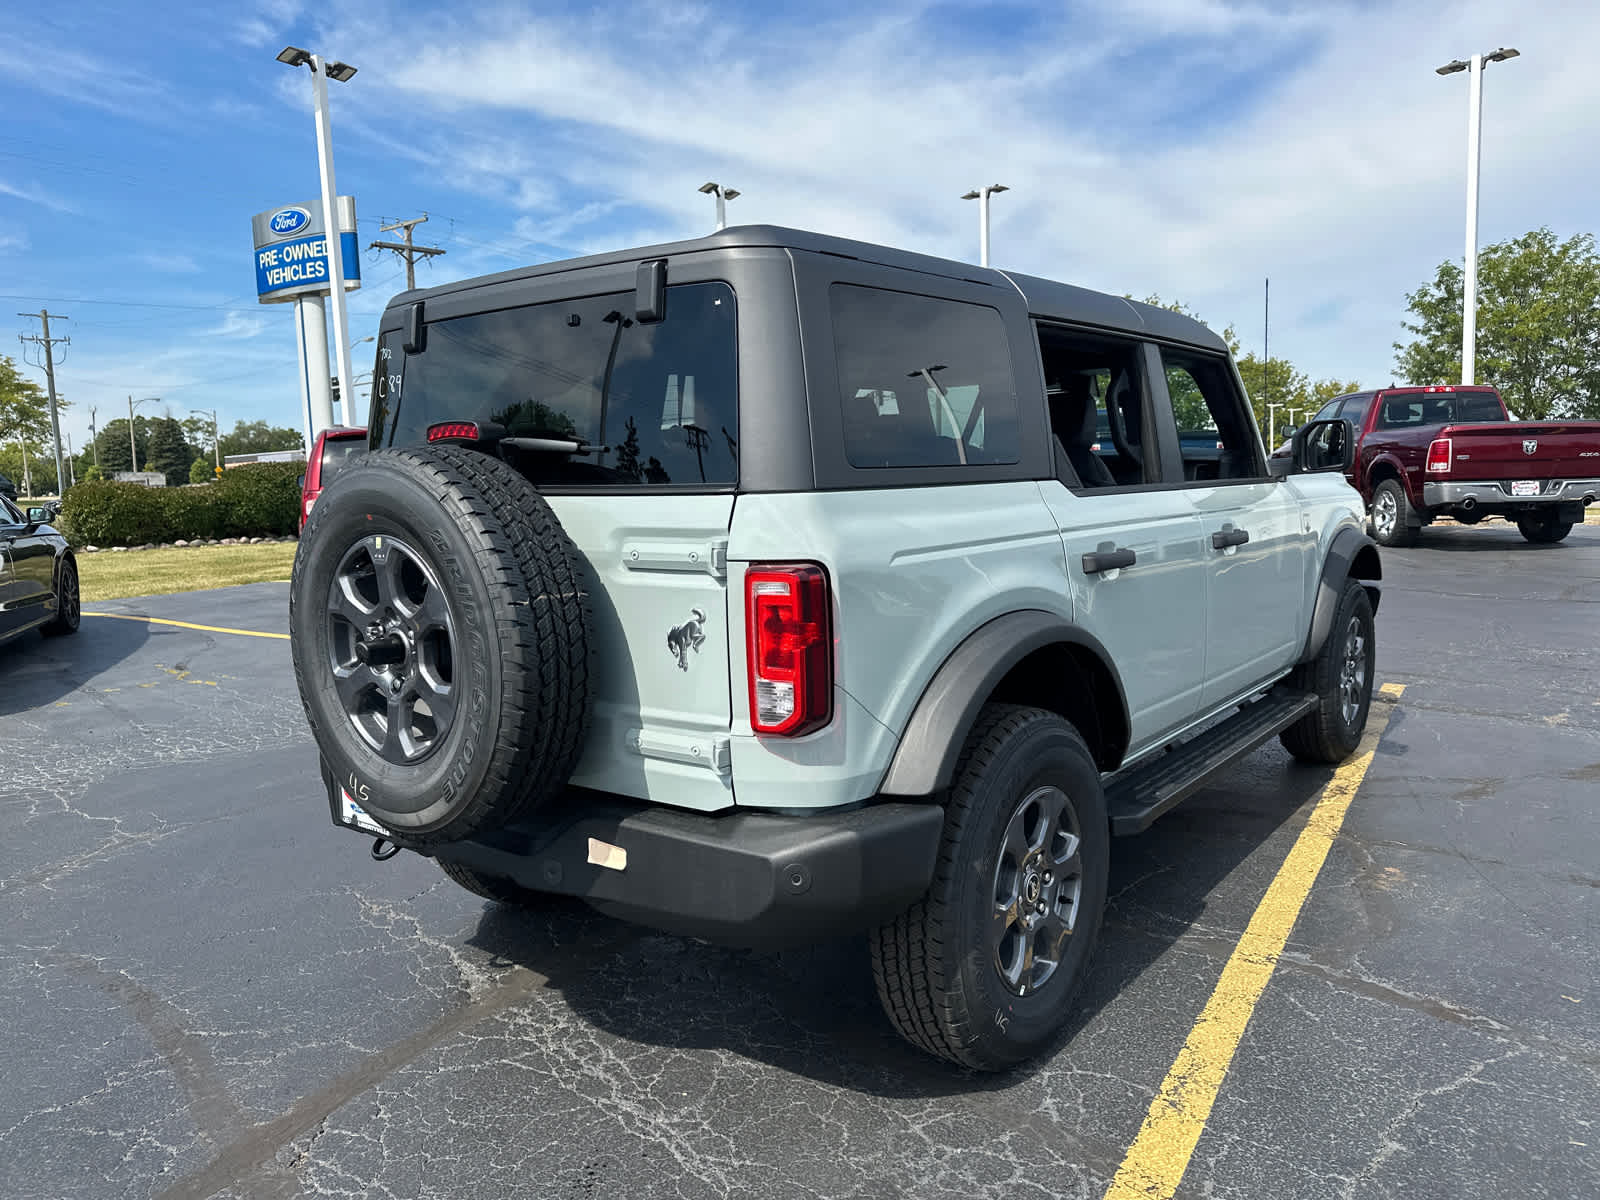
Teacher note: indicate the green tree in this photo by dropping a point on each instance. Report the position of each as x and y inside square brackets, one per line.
[1538, 325]
[253, 437]
[113, 442]
[200, 470]
[169, 452]
[197, 432]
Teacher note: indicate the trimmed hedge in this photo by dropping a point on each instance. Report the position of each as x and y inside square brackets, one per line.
[253, 500]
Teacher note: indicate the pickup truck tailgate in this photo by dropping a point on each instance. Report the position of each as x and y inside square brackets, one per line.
[1525, 450]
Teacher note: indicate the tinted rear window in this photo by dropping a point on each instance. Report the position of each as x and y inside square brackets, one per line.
[661, 398]
[335, 451]
[1401, 409]
[923, 382]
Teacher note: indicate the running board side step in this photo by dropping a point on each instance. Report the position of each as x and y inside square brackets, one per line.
[1137, 796]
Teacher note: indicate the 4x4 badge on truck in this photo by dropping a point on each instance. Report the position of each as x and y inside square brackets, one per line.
[1529, 446]
[686, 637]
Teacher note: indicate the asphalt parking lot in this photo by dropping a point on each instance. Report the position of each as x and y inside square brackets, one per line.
[212, 991]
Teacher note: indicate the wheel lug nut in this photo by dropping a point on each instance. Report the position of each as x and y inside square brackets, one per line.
[1041, 908]
[1049, 878]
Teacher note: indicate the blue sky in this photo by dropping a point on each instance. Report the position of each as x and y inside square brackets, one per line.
[1184, 147]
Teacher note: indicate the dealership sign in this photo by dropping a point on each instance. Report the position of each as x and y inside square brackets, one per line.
[291, 250]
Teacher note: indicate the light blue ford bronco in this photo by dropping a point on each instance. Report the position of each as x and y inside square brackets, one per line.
[771, 587]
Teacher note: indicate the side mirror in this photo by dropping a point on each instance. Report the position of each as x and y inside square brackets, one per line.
[1323, 446]
[302, 483]
[38, 516]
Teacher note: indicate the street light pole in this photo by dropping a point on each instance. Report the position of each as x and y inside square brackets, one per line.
[723, 195]
[981, 195]
[1272, 423]
[321, 71]
[1469, 288]
[216, 442]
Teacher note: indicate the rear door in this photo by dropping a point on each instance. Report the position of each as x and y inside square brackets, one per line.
[31, 566]
[1150, 614]
[648, 508]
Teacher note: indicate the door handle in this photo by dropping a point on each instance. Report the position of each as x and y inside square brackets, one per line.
[1107, 560]
[1223, 538]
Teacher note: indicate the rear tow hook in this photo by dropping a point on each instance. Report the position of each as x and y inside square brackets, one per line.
[379, 854]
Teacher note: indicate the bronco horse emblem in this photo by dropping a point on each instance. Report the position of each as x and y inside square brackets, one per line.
[691, 635]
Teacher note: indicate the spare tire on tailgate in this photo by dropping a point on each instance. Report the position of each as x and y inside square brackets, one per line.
[440, 634]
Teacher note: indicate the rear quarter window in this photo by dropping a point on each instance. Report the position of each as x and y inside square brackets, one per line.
[923, 382]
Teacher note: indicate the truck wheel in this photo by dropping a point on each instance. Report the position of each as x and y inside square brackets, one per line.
[440, 636]
[1391, 515]
[1543, 530]
[983, 970]
[493, 887]
[1341, 678]
[69, 604]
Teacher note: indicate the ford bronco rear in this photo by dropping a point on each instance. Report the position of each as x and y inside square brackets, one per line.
[771, 587]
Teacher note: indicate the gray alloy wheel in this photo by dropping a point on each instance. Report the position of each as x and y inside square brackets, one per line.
[392, 648]
[1353, 686]
[1038, 883]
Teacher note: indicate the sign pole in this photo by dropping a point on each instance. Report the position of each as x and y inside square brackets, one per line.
[330, 225]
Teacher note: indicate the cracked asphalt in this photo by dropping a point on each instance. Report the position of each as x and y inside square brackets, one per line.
[214, 992]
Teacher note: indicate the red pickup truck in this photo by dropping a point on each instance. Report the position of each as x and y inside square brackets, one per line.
[1426, 452]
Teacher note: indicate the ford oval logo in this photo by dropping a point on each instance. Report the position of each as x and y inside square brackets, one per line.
[289, 220]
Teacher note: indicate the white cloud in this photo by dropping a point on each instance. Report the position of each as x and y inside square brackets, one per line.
[168, 262]
[237, 325]
[35, 196]
[13, 243]
[1190, 149]
[266, 25]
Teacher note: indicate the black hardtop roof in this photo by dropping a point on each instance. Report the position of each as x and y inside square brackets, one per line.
[1045, 298]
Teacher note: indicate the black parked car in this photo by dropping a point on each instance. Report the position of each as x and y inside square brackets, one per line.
[38, 574]
[7, 488]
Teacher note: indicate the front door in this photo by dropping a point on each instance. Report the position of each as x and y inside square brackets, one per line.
[1256, 542]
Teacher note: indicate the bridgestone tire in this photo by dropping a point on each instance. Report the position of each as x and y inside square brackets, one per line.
[1329, 735]
[1401, 532]
[1543, 531]
[494, 887]
[518, 661]
[935, 965]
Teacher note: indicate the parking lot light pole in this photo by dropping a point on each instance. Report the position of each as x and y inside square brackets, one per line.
[321, 72]
[1272, 423]
[981, 195]
[1469, 289]
[723, 195]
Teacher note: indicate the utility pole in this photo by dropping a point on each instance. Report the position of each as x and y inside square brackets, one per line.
[405, 249]
[49, 344]
[94, 437]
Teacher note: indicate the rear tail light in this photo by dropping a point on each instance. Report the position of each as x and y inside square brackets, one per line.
[453, 431]
[790, 649]
[1439, 455]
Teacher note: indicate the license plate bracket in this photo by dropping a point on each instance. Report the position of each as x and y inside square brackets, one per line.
[1524, 487]
[353, 815]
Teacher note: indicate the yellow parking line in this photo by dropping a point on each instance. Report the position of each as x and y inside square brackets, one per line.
[1159, 1156]
[187, 625]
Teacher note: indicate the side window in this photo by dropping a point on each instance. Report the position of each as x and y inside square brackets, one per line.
[1215, 435]
[1097, 408]
[1327, 410]
[923, 382]
[1355, 410]
[10, 514]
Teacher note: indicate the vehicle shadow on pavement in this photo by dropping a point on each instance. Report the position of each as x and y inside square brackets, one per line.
[814, 1011]
[37, 671]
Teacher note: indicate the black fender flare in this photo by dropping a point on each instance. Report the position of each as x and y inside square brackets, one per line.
[925, 760]
[1352, 554]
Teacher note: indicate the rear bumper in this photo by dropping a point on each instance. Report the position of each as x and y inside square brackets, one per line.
[747, 878]
[1493, 495]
